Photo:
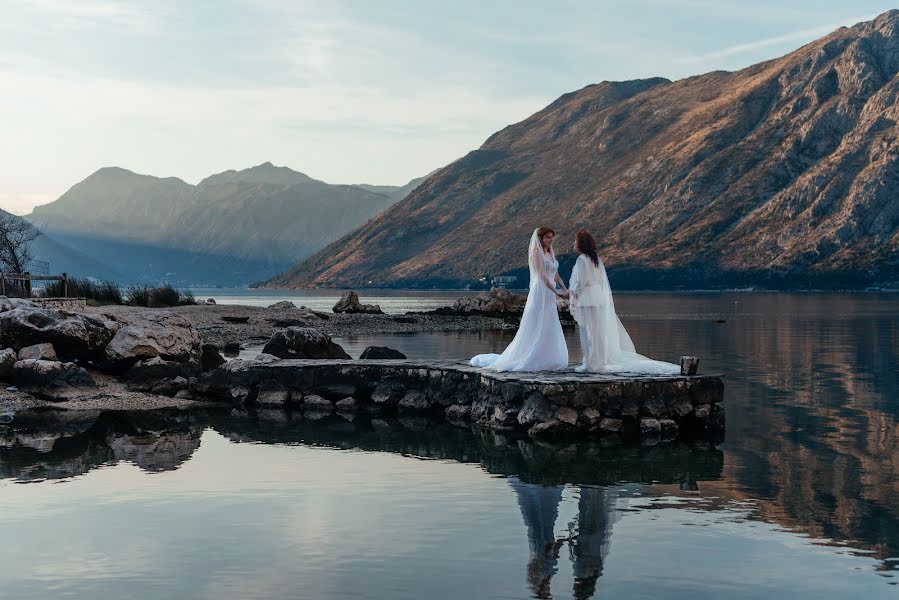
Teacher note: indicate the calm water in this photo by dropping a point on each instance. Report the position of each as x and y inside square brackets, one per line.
[801, 500]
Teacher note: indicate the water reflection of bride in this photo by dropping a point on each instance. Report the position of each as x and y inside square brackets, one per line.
[588, 542]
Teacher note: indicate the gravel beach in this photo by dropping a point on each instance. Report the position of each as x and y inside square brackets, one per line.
[212, 321]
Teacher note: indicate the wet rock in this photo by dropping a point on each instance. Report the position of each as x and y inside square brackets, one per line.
[609, 426]
[184, 395]
[210, 300]
[210, 357]
[551, 430]
[273, 393]
[386, 394]
[458, 413]
[503, 418]
[702, 412]
[414, 401]
[568, 415]
[317, 404]
[231, 348]
[43, 351]
[535, 409]
[349, 404]
[8, 358]
[74, 336]
[707, 391]
[154, 334]
[145, 374]
[589, 418]
[303, 343]
[668, 429]
[349, 303]
[282, 305]
[381, 353]
[650, 427]
[265, 358]
[46, 373]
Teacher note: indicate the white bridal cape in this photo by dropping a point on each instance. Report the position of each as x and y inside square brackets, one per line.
[539, 344]
[606, 345]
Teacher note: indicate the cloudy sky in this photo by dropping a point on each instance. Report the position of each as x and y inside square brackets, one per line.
[348, 91]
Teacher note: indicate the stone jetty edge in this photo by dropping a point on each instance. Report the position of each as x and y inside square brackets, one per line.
[541, 405]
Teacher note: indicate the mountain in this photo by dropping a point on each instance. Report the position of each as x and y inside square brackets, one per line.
[783, 174]
[64, 259]
[232, 228]
[395, 192]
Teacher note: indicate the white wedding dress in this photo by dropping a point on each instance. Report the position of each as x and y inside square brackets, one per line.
[539, 344]
[606, 346]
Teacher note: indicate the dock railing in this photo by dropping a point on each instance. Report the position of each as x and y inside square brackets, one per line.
[27, 278]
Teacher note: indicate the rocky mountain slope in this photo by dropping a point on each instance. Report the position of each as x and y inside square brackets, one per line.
[782, 174]
[233, 227]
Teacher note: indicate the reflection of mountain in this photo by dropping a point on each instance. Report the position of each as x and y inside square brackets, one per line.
[812, 417]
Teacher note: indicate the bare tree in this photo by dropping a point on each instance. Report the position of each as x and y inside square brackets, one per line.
[16, 236]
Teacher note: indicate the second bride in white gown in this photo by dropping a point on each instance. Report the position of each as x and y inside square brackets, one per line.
[539, 344]
[606, 346]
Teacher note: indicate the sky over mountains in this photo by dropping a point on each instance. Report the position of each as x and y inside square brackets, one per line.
[349, 90]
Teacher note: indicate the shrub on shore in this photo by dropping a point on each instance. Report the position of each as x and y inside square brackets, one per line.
[159, 296]
[95, 292]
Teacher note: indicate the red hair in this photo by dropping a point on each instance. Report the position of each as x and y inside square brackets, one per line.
[542, 232]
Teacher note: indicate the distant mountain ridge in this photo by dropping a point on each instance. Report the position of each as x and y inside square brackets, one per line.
[232, 228]
[783, 174]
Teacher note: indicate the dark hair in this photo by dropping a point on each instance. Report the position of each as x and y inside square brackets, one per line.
[543, 231]
[587, 245]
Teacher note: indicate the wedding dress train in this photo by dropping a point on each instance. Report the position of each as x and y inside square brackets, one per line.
[539, 344]
[606, 346]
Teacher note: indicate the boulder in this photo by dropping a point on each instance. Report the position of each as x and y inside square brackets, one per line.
[609, 426]
[414, 401]
[43, 351]
[49, 373]
[74, 336]
[536, 409]
[210, 357]
[349, 303]
[282, 305]
[13, 303]
[348, 404]
[303, 343]
[458, 413]
[317, 404]
[496, 302]
[8, 358]
[381, 353]
[145, 374]
[152, 334]
[273, 393]
[210, 300]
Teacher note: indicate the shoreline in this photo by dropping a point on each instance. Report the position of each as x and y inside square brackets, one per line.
[262, 322]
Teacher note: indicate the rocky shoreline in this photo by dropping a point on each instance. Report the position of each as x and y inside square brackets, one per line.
[228, 324]
[137, 358]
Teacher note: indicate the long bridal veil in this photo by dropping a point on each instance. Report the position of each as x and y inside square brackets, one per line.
[539, 344]
[606, 344]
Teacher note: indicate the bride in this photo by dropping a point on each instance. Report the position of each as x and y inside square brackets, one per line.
[604, 342]
[539, 344]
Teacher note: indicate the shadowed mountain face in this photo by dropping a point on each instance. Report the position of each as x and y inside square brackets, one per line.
[782, 174]
[233, 227]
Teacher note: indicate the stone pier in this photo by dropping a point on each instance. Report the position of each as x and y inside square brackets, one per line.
[556, 405]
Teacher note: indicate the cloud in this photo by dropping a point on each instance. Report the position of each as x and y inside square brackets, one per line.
[788, 39]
